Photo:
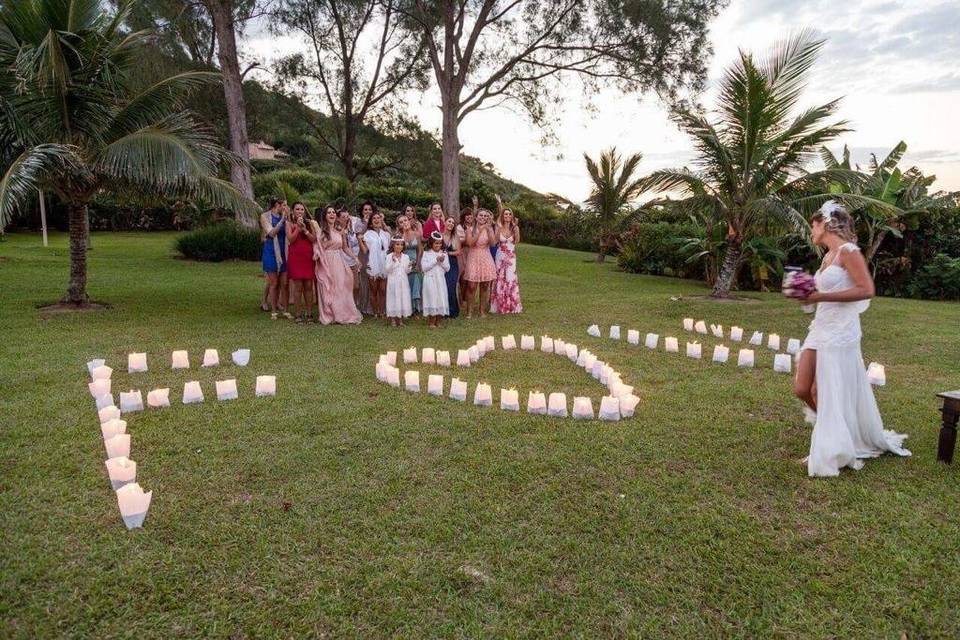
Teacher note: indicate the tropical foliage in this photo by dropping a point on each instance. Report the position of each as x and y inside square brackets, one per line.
[614, 187]
[72, 121]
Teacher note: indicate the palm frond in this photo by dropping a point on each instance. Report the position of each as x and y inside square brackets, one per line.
[30, 171]
[158, 100]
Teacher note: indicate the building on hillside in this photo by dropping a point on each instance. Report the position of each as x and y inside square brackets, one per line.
[262, 151]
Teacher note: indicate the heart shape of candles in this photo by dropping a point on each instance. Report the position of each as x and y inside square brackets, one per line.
[619, 401]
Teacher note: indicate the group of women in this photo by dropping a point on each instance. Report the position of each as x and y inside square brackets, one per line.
[347, 265]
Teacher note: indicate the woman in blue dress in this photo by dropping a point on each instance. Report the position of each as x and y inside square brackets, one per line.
[273, 234]
[413, 248]
[451, 244]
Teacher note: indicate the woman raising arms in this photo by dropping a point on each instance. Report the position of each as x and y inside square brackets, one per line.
[300, 267]
[480, 269]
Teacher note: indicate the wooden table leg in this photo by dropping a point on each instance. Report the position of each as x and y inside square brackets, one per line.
[948, 434]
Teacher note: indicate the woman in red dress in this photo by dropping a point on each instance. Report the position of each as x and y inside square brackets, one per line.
[300, 262]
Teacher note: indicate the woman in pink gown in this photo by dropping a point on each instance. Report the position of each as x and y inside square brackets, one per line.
[334, 279]
[480, 268]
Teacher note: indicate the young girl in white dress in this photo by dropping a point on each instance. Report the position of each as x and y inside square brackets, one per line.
[399, 304]
[831, 379]
[434, 263]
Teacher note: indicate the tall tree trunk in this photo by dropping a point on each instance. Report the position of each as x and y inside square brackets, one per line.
[728, 271]
[221, 13]
[450, 159]
[872, 251]
[79, 233]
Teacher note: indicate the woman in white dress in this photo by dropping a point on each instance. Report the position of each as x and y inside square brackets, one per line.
[399, 303]
[435, 265]
[831, 378]
[374, 244]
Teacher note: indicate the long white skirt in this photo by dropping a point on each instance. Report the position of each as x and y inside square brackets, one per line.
[849, 427]
[434, 293]
[398, 300]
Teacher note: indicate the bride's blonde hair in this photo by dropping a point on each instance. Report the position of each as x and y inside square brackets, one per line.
[837, 220]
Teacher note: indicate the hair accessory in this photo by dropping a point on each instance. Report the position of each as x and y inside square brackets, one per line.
[396, 239]
[436, 235]
[829, 208]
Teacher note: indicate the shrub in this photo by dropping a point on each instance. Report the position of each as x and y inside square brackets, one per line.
[225, 240]
[654, 248]
[568, 230]
[939, 279]
[395, 198]
[266, 185]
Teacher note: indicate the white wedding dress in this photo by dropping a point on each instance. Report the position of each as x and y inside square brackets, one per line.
[848, 425]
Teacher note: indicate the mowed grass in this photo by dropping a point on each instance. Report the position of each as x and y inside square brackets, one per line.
[412, 516]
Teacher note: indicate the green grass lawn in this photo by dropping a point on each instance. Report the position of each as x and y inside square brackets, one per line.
[412, 516]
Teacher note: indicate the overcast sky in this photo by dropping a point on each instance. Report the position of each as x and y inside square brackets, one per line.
[895, 62]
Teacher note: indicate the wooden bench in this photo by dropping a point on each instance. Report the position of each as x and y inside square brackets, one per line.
[948, 429]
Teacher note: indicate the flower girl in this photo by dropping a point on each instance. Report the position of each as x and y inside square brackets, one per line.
[830, 374]
[399, 305]
[434, 265]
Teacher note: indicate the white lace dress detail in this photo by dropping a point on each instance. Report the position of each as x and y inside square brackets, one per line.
[848, 424]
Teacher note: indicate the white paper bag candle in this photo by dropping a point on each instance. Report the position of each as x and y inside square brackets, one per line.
[582, 357]
[267, 386]
[781, 362]
[745, 358]
[793, 346]
[473, 353]
[463, 358]
[489, 344]
[458, 389]
[435, 384]
[241, 357]
[605, 372]
[694, 350]
[483, 395]
[773, 342]
[671, 345]
[546, 344]
[597, 370]
[633, 336]
[179, 360]
[136, 362]
[227, 389]
[118, 445]
[99, 387]
[409, 355]
[721, 353]
[619, 390]
[93, 364]
[651, 340]
[392, 358]
[393, 377]
[628, 405]
[411, 381]
[122, 470]
[615, 332]
[609, 408]
[210, 358]
[594, 330]
[559, 347]
[428, 356]
[527, 343]
[158, 398]
[112, 428]
[736, 334]
[876, 374]
[104, 401]
[443, 358]
[700, 327]
[481, 346]
[756, 338]
[582, 408]
[381, 370]
[103, 372]
[688, 324]
[192, 392]
[717, 330]
[557, 405]
[536, 403]
[572, 352]
[588, 361]
[508, 342]
[131, 401]
[509, 400]
[108, 413]
[134, 504]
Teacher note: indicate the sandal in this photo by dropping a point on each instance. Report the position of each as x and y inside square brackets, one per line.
[298, 320]
[286, 314]
[273, 316]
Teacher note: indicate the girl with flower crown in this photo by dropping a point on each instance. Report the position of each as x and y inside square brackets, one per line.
[830, 378]
[435, 263]
[398, 266]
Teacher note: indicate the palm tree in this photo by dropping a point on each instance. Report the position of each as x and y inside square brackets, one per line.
[72, 121]
[751, 160]
[614, 188]
[890, 200]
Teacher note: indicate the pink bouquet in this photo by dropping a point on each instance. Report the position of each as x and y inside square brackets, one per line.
[798, 284]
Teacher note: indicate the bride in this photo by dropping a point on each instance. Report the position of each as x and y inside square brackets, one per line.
[830, 374]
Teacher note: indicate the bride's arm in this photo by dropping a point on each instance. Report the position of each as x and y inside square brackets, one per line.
[862, 288]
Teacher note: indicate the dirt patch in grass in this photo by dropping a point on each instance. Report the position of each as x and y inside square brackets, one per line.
[59, 308]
